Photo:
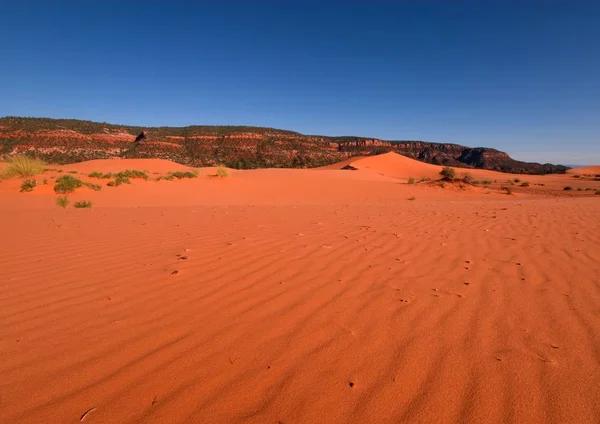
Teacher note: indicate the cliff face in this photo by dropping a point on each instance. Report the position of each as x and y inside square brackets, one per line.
[67, 141]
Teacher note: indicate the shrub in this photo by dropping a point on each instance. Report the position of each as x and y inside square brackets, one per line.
[568, 188]
[94, 187]
[132, 173]
[468, 179]
[62, 201]
[82, 204]
[100, 175]
[448, 173]
[28, 185]
[411, 180]
[165, 177]
[23, 166]
[508, 190]
[525, 184]
[67, 184]
[188, 174]
[222, 172]
[120, 179]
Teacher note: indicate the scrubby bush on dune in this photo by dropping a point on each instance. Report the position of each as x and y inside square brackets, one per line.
[62, 201]
[165, 177]
[28, 185]
[100, 175]
[67, 184]
[23, 166]
[180, 174]
[82, 204]
[132, 173]
[448, 173]
[468, 179]
[222, 172]
[120, 179]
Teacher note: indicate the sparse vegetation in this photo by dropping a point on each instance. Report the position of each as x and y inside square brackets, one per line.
[181, 174]
[442, 184]
[73, 172]
[28, 185]
[507, 189]
[468, 179]
[411, 180]
[62, 201]
[525, 184]
[23, 166]
[165, 177]
[222, 172]
[67, 184]
[100, 175]
[568, 188]
[448, 173]
[119, 179]
[132, 173]
[486, 182]
[82, 204]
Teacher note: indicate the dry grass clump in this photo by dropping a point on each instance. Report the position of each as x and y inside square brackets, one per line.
[23, 166]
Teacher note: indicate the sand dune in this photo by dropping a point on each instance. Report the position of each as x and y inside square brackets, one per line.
[299, 296]
[116, 165]
[590, 170]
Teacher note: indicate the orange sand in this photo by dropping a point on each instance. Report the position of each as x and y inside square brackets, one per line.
[300, 296]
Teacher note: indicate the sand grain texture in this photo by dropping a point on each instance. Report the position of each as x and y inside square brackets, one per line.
[300, 297]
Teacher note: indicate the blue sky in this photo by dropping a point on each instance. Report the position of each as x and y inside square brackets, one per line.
[523, 77]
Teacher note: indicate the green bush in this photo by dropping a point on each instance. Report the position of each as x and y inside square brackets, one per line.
[120, 179]
[62, 201]
[165, 177]
[67, 184]
[132, 173]
[448, 173]
[82, 204]
[23, 166]
[28, 185]
[180, 175]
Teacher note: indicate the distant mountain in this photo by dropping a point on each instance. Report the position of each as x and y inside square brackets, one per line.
[70, 140]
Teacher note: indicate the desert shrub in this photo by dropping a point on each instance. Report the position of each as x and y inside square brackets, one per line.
[468, 179]
[28, 185]
[589, 189]
[525, 184]
[23, 166]
[100, 175]
[448, 173]
[132, 173]
[507, 189]
[165, 177]
[62, 201]
[568, 188]
[442, 184]
[424, 179]
[95, 187]
[187, 174]
[222, 172]
[67, 184]
[45, 181]
[119, 179]
[411, 180]
[487, 182]
[82, 204]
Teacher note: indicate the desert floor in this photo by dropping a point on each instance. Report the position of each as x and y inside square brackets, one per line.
[301, 296]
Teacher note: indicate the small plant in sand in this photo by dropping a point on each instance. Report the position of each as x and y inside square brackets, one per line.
[100, 175]
[486, 182]
[181, 174]
[133, 173]
[568, 188]
[165, 177]
[62, 201]
[73, 172]
[222, 172]
[82, 204]
[468, 179]
[525, 184]
[411, 180]
[23, 166]
[119, 179]
[448, 173]
[67, 184]
[28, 185]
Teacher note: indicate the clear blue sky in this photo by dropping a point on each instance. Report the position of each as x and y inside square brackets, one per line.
[520, 78]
